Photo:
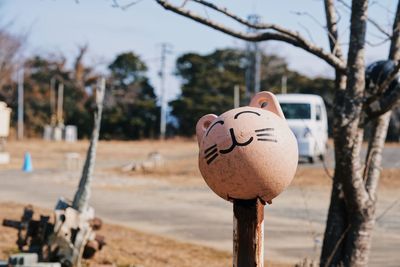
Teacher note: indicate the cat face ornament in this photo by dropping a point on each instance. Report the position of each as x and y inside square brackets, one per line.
[248, 152]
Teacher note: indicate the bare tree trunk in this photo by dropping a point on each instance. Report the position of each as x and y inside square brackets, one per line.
[351, 219]
[380, 125]
[351, 214]
[335, 231]
[347, 236]
[365, 220]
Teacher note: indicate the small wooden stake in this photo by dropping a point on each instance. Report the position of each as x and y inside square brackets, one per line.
[248, 233]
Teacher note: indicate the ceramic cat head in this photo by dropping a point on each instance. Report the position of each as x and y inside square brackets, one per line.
[248, 152]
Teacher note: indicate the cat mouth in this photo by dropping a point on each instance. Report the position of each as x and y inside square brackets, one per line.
[261, 135]
[235, 143]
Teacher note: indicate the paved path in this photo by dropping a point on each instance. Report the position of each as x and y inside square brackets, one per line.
[390, 158]
[294, 223]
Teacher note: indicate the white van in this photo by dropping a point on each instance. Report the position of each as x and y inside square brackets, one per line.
[307, 118]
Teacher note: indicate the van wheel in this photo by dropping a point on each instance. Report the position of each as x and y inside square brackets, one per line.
[311, 160]
[322, 157]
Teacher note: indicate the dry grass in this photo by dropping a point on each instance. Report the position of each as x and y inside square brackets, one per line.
[180, 160]
[127, 247]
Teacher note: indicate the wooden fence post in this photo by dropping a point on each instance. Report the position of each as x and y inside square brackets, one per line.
[248, 233]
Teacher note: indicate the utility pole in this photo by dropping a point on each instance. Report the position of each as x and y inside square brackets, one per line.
[253, 71]
[284, 84]
[257, 68]
[165, 49]
[52, 102]
[20, 126]
[236, 96]
[60, 100]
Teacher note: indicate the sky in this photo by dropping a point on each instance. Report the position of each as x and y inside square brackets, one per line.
[60, 26]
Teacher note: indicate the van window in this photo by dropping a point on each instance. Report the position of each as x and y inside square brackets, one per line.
[318, 113]
[296, 110]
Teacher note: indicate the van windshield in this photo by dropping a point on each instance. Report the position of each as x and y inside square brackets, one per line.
[296, 110]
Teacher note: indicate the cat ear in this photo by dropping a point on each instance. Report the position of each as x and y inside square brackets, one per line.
[267, 100]
[203, 124]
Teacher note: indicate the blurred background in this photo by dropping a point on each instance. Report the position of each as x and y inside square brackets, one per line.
[163, 72]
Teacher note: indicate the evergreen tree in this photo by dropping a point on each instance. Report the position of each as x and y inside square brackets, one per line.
[130, 104]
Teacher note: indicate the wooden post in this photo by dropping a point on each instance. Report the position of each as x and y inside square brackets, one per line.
[248, 233]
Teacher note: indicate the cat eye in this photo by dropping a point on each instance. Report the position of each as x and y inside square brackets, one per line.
[246, 111]
[215, 123]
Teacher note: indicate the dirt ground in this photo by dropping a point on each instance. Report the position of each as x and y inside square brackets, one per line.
[179, 156]
[173, 234]
[127, 247]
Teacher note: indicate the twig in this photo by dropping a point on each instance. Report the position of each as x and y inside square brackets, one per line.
[388, 208]
[332, 29]
[377, 44]
[390, 78]
[124, 7]
[313, 232]
[373, 22]
[328, 262]
[284, 35]
[383, 98]
[305, 13]
[307, 31]
[383, 7]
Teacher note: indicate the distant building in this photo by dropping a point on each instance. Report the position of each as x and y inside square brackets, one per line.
[5, 114]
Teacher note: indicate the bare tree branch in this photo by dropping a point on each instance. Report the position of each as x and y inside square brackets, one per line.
[383, 7]
[373, 22]
[389, 100]
[10, 46]
[389, 79]
[384, 97]
[377, 44]
[280, 34]
[307, 31]
[316, 21]
[394, 52]
[354, 189]
[381, 122]
[258, 26]
[124, 7]
[332, 28]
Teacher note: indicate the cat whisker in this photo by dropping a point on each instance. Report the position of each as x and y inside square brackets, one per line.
[264, 129]
[267, 140]
[210, 148]
[212, 158]
[265, 134]
[215, 150]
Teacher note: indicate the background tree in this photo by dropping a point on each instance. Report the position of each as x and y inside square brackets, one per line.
[10, 48]
[39, 72]
[130, 108]
[207, 85]
[208, 82]
[351, 215]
